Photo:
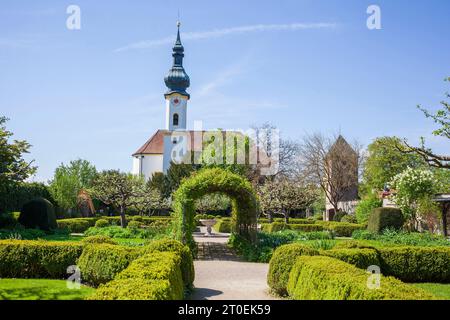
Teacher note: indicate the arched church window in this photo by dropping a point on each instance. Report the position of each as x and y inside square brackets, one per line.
[175, 119]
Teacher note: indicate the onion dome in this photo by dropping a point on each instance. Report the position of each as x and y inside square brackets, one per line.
[177, 80]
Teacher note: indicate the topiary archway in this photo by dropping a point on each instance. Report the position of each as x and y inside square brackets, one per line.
[216, 180]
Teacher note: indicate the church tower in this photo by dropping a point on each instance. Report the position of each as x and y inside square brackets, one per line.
[177, 81]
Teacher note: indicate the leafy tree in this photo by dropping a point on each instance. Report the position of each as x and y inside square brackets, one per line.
[175, 174]
[365, 207]
[158, 182]
[118, 189]
[319, 205]
[443, 180]
[384, 161]
[69, 180]
[13, 168]
[64, 189]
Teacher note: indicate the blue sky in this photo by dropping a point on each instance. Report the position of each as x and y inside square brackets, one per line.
[306, 66]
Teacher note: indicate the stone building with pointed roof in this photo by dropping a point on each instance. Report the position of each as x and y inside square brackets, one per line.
[342, 171]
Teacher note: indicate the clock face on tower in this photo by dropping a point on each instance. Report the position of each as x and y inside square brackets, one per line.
[176, 101]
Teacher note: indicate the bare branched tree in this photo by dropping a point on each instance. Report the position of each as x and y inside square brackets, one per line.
[332, 164]
[287, 152]
[442, 118]
[282, 196]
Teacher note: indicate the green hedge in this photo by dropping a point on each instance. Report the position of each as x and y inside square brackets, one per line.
[361, 258]
[76, 225]
[223, 226]
[345, 229]
[326, 278]
[99, 239]
[305, 227]
[281, 264]
[134, 289]
[80, 225]
[7, 220]
[155, 276]
[38, 213]
[341, 229]
[382, 218]
[280, 226]
[353, 244]
[416, 264]
[170, 245]
[100, 263]
[37, 259]
[409, 264]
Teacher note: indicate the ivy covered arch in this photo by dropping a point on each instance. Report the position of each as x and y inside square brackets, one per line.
[238, 189]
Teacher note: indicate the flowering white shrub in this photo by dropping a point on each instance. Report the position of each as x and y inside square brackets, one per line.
[413, 186]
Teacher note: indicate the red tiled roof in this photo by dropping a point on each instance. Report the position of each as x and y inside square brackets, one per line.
[155, 145]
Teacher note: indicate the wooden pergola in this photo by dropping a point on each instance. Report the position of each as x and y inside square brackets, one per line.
[444, 200]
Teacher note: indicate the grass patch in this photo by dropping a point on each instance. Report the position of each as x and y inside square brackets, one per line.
[390, 237]
[40, 289]
[438, 289]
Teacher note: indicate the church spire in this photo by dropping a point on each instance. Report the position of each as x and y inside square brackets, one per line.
[177, 80]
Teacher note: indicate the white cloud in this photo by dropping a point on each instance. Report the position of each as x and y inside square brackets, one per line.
[218, 33]
[221, 79]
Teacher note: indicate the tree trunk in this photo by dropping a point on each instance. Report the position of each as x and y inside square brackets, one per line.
[269, 217]
[123, 220]
[286, 217]
[308, 212]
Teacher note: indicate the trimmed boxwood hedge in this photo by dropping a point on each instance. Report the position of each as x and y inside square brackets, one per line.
[80, 225]
[305, 227]
[382, 218]
[100, 263]
[223, 226]
[170, 245]
[341, 229]
[280, 226]
[76, 225]
[38, 213]
[155, 276]
[281, 264]
[99, 239]
[416, 264]
[344, 229]
[134, 289]
[361, 258]
[409, 264]
[37, 259]
[326, 278]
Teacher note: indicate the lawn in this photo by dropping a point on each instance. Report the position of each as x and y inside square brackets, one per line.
[40, 289]
[438, 289]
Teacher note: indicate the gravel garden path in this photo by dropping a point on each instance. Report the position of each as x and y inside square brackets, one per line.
[221, 275]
